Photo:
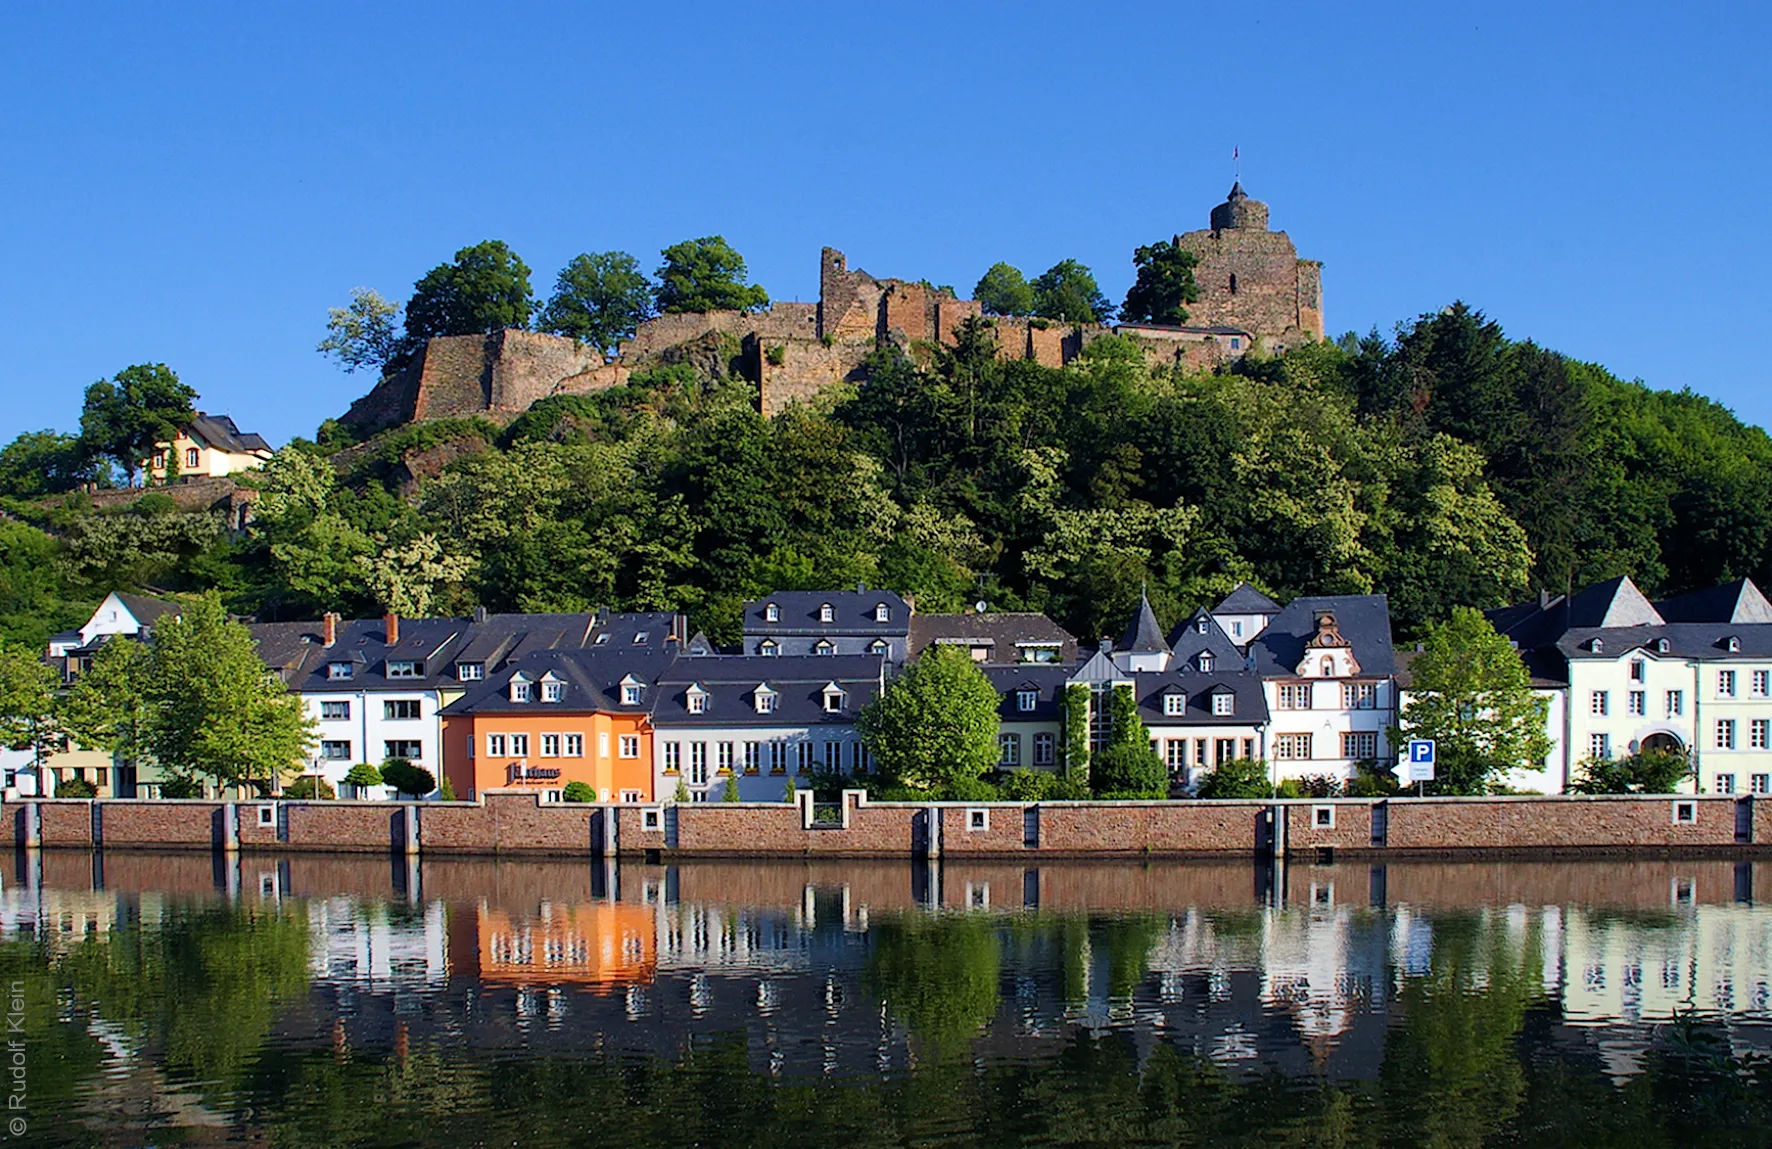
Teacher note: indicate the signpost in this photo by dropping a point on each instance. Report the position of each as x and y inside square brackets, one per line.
[1420, 762]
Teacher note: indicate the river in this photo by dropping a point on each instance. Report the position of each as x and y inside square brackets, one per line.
[335, 1002]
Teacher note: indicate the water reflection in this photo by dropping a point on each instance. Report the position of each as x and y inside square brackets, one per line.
[338, 1001]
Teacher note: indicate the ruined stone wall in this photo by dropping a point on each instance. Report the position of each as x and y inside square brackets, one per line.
[807, 367]
[1252, 280]
[529, 365]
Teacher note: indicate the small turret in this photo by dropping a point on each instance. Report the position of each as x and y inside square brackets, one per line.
[1239, 211]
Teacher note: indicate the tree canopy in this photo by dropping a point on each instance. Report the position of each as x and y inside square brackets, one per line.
[599, 298]
[1067, 291]
[706, 274]
[363, 334]
[935, 727]
[1003, 290]
[126, 415]
[1165, 284]
[484, 289]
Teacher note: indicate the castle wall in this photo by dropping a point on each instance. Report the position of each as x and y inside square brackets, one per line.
[1270, 287]
[525, 366]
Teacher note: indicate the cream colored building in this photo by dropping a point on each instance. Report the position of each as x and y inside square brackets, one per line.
[210, 446]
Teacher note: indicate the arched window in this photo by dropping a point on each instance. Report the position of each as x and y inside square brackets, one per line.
[1328, 668]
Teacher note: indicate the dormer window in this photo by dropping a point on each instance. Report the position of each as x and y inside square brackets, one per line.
[553, 691]
[882, 613]
[764, 699]
[1174, 703]
[1026, 700]
[824, 646]
[339, 671]
[1596, 644]
[630, 691]
[470, 671]
[1200, 624]
[641, 637]
[1732, 644]
[772, 613]
[769, 648]
[826, 613]
[1204, 662]
[1661, 646]
[833, 699]
[697, 700]
[878, 646]
[600, 640]
[405, 668]
[1224, 703]
[522, 689]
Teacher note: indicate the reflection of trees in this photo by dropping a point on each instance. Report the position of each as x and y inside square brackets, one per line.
[62, 1056]
[936, 974]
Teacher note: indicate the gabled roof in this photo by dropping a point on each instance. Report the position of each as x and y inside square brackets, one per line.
[1143, 635]
[1249, 709]
[148, 610]
[852, 612]
[593, 680]
[731, 683]
[1738, 601]
[1245, 599]
[1187, 642]
[220, 432]
[1048, 680]
[1613, 603]
[1363, 619]
[1003, 633]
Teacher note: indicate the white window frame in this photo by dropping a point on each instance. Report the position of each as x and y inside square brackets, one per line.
[1026, 700]
[1725, 684]
[1724, 735]
[573, 746]
[470, 671]
[1224, 704]
[553, 691]
[771, 613]
[340, 710]
[495, 745]
[629, 746]
[550, 746]
[519, 746]
[1045, 749]
[405, 668]
[1174, 704]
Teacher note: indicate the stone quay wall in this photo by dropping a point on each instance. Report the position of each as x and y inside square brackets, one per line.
[521, 824]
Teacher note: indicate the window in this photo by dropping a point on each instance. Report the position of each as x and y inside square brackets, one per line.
[1725, 684]
[1204, 662]
[335, 751]
[1026, 700]
[753, 757]
[698, 702]
[772, 613]
[1201, 624]
[1237, 629]
[1599, 746]
[803, 757]
[833, 701]
[1045, 747]
[1685, 812]
[335, 711]
[769, 648]
[1725, 734]
[405, 668]
[1359, 744]
[193, 457]
[765, 702]
[833, 756]
[1294, 696]
[603, 744]
[1175, 754]
[1637, 670]
[495, 746]
[1009, 750]
[978, 820]
[403, 748]
[778, 758]
[634, 796]
[520, 745]
[1175, 702]
[725, 758]
[470, 671]
[1323, 817]
[673, 757]
[1224, 703]
[553, 691]
[340, 671]
[522, 690]
[640, 637]
[823, 646]
[1236, 343]
[878, 646]
[1761, 683]
[1676, 703]
[826, 614]
[1598, 702]
[550, 745]
[698, 763]
[574, 746]
[1328, 668]
[1725, 783]
[882, 613]
[1636, 703]
[400, 708]
[630, 693]
[1292, 747]
[1760, 784]
[1359, 695]
[1733, 644]
[629, 745]
[1759, 734]
[652, 819]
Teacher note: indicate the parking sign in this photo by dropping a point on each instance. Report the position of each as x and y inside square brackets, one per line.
[1421, 760]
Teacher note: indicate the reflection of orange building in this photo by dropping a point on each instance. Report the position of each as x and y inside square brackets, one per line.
[594, 943]
[558, 716]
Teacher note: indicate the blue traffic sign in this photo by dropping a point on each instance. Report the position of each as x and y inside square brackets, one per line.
[1421, 751]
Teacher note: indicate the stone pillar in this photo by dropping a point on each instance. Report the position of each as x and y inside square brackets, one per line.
[230, 828]
[410, 822]
[33, 826]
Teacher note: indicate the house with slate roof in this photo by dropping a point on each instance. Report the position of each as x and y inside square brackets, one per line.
[210, 445]
[761, 718]
[827, 622]
[995, 637]
[1328, 668]
[1691, 674]
[1030, 718]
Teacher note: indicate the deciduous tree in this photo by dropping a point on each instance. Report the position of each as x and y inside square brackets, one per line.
[936, 725]
[1165, 284]
[485, 289]
[599, 298]
[706, 274]
[1067, 292]
[363, 334]
[126, 415]
[1004, 290]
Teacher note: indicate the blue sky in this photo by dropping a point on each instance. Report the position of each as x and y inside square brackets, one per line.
[197, 184]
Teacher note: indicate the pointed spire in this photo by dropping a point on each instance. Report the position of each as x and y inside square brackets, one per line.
[1144, 636]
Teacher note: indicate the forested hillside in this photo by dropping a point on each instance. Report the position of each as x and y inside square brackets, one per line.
[1448, 465]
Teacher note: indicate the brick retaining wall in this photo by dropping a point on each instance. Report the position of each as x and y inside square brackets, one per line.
[519, 824]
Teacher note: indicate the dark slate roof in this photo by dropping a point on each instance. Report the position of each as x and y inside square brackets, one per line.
[638, 629]
[1364, 620]
[1143, 635]
[1047, 679]
[1250, 708]
[853, 613]
[731, 681]
[1187, 642]
[1708, 640]
[148, 610]
[1245, 599]
[1002, 632]
[593, 681]
[699, 645]
[220, 431]
[1738, 601]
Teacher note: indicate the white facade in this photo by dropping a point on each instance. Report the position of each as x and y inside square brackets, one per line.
[1328, 725]
[763, 758]
[367, 726]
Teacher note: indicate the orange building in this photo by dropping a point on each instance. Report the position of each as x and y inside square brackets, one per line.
[556, 717]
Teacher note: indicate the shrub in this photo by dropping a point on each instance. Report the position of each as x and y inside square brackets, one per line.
[682, 792]
[1650, 772]
[308, 786]
[1289, 788]
[181, 786]
[363, 774]
[1026, 785]
[1129, 770]
[790, 792]
[403, 776]
[777, 355]
[1372, 780]
[445, 792]
[578, 792]
[1238, 778]
[729, 792]
[1321, 786]
[75, 788]
[964, 789]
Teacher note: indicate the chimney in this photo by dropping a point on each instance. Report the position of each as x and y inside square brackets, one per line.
[480, 614]
[391, 627]
[1544, 599]
[329, 628]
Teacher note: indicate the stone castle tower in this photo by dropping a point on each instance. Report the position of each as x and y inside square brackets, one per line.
[1252, 278]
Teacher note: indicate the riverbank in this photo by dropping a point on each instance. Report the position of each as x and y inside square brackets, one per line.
[520, 824]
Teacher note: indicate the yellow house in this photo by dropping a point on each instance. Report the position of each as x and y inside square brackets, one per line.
[210, 445]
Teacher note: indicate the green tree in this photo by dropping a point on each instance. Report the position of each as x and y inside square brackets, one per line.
[485, 289]
[215, 710]
[729, 791]
[28, 717]
[1165, 284]
[1076, 733]
[1645, 772]
[577, 792]
[706, 274]
[363, 775]
[599, 298]
[406, 778]
[1003, 290]
[1472, 695]
[936, 725]
[1127, 767]
[937, 976]
[1237, 778]
[106, 708]
[309, 788]
[125, 416]
[36, 597]
[39, 463]
[1067, 291]
[363, 334]
[409, 578]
